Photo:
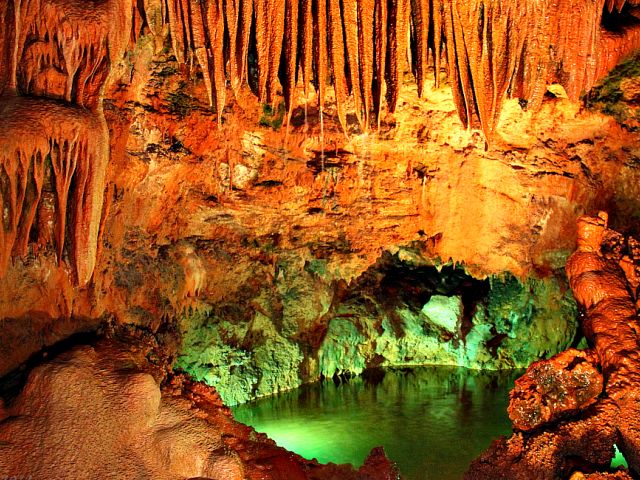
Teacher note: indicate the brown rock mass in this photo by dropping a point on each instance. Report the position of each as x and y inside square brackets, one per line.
[548, 392]
[100, 412]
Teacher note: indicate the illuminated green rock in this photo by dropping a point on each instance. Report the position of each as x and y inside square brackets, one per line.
[445, 312]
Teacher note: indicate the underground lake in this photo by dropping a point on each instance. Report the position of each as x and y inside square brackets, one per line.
[432, 421]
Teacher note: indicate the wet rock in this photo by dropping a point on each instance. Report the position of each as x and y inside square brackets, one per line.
[585, 442]
[445, 312]
[555, 388]
[99, 412]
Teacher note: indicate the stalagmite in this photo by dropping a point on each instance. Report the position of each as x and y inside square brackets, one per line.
[576, 421]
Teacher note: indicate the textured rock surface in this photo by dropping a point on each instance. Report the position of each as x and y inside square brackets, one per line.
[99, 412]
[585, 441]
[555, 388]
[398, 313]
[253, 223]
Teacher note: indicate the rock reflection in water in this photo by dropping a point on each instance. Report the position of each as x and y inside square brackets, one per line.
[432, 420]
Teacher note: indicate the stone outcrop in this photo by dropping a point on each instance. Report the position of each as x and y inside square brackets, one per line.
[592, 420]
[398, 313]
[110, 411]
[555, 388]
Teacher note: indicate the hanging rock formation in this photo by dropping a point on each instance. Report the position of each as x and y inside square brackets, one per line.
[54, 142]
[45, 148]
[571, 423]
[494, 49]
[64, 50]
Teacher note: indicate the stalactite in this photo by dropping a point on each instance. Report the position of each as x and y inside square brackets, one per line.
[397, 40]
[52, 40]
[306, 46]
[60, 49]
[269, 18]
[493, 49]
[437, 29]
[261, 8]
[176, 29]
[64, 159]
[350, 18]
[232, 18]
[320, 53]
[34, 193]
[216, 72]
[276, 21]
[200, 45]
[366, 10]
[380, 56]
[336, 53]
[74, 143]
[291, 54]
[487, 50]
[421, 23]
[246, 15]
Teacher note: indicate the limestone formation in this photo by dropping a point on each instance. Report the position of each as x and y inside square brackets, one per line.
[100, 412]
[494, 49]
[576, 424]
[56, 51]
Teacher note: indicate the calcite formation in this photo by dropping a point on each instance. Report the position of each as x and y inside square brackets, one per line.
[54, 140]
[552, 389]
[493, 49]
[45, 147]
[100, 412]
[144, 179]
[65, 50]
[577, 417]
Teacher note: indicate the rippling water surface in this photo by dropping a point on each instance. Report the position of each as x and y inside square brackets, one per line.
[432, 420]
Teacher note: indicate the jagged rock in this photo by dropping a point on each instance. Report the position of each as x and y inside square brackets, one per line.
[587, 436]
[552, 389]
[445, 312]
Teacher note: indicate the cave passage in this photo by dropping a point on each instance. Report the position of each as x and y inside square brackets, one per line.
[432, 421]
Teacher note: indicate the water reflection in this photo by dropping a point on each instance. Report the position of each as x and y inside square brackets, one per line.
[432, 420]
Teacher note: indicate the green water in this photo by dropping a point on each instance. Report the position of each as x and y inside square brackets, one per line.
[432, 421]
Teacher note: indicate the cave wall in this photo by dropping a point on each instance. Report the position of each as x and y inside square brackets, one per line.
[160, 163]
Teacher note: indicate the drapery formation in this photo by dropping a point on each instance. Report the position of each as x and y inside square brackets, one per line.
[491, 48]
[53, 161]
[54, 143]
[63, 50]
